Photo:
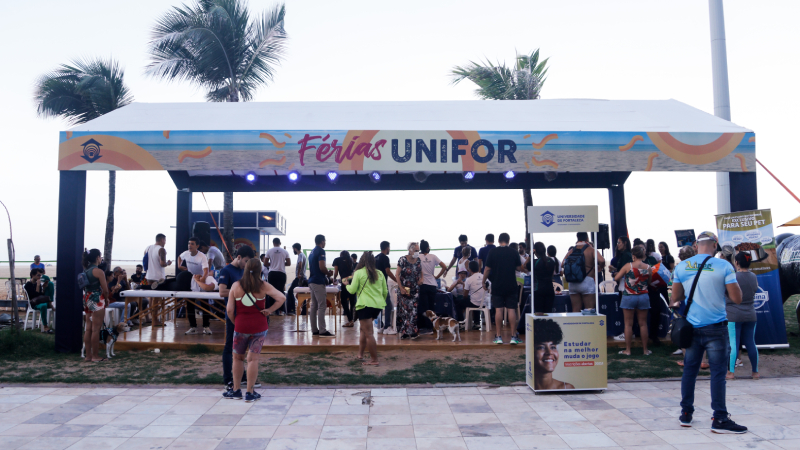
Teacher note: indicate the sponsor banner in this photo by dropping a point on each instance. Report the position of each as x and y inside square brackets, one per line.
[684, 237]
[565, 351]
[562, 219]
[273, 151]
[751, 232]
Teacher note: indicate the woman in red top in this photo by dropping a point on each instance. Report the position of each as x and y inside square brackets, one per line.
[635, 299]
[247, 310]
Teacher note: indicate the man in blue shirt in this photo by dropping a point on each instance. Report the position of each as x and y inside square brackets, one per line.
[227, 276]
[709, 319]
[37, 263]
[483, 253]
[317, 283]
[457, 252]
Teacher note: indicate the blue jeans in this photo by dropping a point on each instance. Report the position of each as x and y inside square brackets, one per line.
[741, 333]
[126, 312]
[714, 340]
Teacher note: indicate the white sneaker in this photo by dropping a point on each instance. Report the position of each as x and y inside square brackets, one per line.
[678, 352]
[380, 330]
[389, 331]
[621, 337]
[191, 331]
[207, 330]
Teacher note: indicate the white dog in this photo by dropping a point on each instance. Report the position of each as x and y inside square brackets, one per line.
[108, 336]
[440, 323]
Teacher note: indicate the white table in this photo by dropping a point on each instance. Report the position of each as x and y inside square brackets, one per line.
[303, 294]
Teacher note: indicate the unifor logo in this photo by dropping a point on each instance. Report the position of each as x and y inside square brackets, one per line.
[602, 323]
[548, 218]
[91, 150]
[761, 298]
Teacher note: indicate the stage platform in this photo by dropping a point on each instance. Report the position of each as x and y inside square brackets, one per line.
[283, 338]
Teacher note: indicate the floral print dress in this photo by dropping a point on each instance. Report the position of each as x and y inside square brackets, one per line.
[407, 304]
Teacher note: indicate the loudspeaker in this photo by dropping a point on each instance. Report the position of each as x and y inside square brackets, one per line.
[202, 231]
[602, 237]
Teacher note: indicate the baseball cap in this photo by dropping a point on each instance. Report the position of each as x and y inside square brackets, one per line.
[707, 236]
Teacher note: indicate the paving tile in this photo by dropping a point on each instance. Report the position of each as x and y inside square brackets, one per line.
[776, 432]
[259, 432]
[391, 444]
[208, 431]
[349, 409]
[195, 444]
[116, 431]
[350, 419]
[436, 431]
[611, 426]
[588, 440]
[539, 427]
[582, 405]
[266, 409]
[243, 444]
[15, 442]
[31, 430]
[598, 415]
[90, 399]
[475, 418]
[483, 429]
[342, 444]
[534, 442]
[292, 444]
[448, 443]
[561, 416]
[49, 443]
[573, 427]
[344, 432]
[52, 417]
[392, 431]
[310, 409]
[391, 419]
[316, 392]
[97, 443]
[400, 392]
[490, 443]
[631, 438]
[162, 431]
[643, 413]
[684, 436]
[788, 444]
[179, 419]
[433, 419]
[425, 392]
[141, 420]
[470, 409]
[72, 431]
[92, 419]
[256, 420]
[297, 432]
[145, 444]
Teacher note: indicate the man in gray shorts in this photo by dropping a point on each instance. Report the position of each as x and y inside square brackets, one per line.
[582, 295]
[317, 283]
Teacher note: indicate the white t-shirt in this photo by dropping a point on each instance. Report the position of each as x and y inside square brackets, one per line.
[216, 257]
[473, 285]
[209, 280]
[277, 259]
[462, 265]
[429, 263]
[302, 260]
[195, 263]
[154, 270]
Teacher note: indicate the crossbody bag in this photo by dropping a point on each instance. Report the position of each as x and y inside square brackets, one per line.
[682, 330]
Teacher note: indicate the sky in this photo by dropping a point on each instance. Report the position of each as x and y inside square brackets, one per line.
[369, 50]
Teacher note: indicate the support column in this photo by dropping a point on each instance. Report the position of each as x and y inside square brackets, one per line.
[619, 221]
[743, 191]
[183, 222]
[69, 258]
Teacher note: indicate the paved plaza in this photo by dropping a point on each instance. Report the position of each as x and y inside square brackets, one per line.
[637, 415]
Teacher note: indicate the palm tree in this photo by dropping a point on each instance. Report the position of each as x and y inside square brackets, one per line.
[523, 81]
[215, 45]
[79, 92]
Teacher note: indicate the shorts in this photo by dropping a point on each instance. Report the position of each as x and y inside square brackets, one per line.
[505, 301]
[92, 301]
[367, 313]
[242, 343]
[640, 301]
[587, 286]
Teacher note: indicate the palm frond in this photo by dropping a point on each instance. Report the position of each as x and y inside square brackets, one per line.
[522, 81]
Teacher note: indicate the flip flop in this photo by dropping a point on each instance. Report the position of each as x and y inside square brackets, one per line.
[369, 363]
[649, 352]
[622, 352]
[103, 359]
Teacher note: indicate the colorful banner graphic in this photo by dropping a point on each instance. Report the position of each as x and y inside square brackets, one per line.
[684, 237]
[751, 231]
[565, 351]
[406, 151]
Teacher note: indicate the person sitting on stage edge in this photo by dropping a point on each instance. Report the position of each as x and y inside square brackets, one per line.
[371, 291]
[317, 283]
[501, 269]
[38, 298]
[229, 275]
[247, 308]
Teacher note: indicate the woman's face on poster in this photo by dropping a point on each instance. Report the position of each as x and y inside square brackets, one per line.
[546, 357]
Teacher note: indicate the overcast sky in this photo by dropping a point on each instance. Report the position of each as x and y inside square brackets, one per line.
[378, 50]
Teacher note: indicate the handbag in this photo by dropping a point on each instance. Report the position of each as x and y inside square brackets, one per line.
[683, 331]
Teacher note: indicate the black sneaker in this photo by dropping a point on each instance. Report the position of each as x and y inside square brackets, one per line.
[250, 398]
[727, 426]
[403, 337]
[413, 335]
[233, 395]
[228, 387]
[686, 419]
[327, 334]
[315, 333]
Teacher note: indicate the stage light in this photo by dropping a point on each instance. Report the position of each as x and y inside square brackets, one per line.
[333, 177]
[509, 175]
[294, 176]
[468, 176]
[375, 177]
[421, 177]
[251, 177]
[550, 175]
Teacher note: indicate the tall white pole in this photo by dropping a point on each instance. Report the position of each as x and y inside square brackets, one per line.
[596, 275]
[722, 101]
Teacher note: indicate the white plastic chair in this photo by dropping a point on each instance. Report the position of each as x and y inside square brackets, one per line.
[485, 308]
[608, 287]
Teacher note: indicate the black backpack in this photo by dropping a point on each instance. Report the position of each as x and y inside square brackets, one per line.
[575, 265]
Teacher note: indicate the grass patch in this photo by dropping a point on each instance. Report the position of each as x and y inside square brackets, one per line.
[198, 349]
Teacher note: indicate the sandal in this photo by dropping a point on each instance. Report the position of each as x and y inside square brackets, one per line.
[756, 376]
[704, 366]
[649, 352]
[622, 352]
[680, 363]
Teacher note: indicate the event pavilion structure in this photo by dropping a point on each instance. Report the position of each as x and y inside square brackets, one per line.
[354, 146]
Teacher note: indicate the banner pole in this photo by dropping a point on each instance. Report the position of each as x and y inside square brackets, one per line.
[530, 250]
[596, 275]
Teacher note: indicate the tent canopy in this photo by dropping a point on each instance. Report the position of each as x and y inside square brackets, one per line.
[275, 138]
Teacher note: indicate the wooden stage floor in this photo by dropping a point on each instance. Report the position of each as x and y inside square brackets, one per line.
[282, 338]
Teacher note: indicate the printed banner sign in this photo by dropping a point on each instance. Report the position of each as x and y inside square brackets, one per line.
[565, 351]
[562, 219]
[273, 151]
[684, 237]
[751, 231]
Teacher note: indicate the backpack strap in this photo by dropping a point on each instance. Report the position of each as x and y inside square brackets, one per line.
[694, 285]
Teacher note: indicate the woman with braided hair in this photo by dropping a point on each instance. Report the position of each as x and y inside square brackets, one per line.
[742, 317]
[547, 335]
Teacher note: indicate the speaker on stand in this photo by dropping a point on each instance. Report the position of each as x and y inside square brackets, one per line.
[603, 243]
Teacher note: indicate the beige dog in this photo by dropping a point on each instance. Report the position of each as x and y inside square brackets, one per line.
[440, 323]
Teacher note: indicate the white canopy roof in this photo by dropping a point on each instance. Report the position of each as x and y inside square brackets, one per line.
[547, 115]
